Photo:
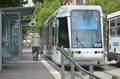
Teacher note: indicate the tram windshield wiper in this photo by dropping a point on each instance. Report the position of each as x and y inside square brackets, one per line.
[78, 42]
[97, 45]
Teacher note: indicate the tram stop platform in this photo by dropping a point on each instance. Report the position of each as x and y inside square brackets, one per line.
[29, 69]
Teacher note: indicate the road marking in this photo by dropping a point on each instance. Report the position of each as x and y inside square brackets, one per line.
[54, 72]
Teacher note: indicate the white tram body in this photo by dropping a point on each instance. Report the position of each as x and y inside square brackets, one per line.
[79, 29]
[113, 20]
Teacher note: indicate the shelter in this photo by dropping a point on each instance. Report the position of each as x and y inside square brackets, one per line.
[11, 34]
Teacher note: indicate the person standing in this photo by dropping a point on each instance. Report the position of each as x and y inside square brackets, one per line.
[36, 48]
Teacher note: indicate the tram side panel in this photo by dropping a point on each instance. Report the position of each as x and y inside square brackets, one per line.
[114, 49]
[113, 39]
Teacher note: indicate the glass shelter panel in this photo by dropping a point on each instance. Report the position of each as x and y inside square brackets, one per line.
[10, 38]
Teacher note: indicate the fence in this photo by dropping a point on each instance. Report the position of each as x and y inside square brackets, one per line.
[73, 63]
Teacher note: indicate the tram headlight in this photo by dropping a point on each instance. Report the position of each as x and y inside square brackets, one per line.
[98, 52]
[102, 52]
[69, 52]
[72, 51]
[95, 52]
[79, 52]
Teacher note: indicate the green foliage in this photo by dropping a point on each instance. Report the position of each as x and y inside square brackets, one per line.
[35, 1]
[108, 6]
[43, 11]
[10, 3]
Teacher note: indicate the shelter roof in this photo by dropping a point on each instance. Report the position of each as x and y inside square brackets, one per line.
[22, 10]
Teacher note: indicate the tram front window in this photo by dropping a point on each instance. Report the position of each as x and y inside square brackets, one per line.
[86, 30]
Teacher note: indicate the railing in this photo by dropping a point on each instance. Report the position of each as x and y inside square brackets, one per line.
[73, 63]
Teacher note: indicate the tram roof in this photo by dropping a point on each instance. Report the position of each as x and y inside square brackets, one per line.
[114, 14]
[66, 9]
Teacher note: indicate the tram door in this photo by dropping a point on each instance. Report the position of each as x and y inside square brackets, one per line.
[11, 38]
[53, 39]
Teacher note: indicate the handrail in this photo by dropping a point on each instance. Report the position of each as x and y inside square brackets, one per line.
[76, 64]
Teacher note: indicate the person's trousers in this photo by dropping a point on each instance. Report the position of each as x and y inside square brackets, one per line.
[35, 51]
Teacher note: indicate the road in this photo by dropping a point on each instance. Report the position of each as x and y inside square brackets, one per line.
[106, 71]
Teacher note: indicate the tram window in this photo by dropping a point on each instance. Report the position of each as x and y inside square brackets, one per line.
[63, 32]
[53, 28]
[118, 31]
[118, 22]
[45, 34]
[112, 23]
[112, 32]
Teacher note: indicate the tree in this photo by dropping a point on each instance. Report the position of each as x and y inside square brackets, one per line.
[43, 11]
[10, 3]
[108, 6]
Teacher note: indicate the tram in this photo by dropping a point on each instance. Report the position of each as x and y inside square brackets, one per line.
[79, 29]
[113, 21]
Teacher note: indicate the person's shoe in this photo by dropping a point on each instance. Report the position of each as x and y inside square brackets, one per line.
[33, 58]
[36, 59]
